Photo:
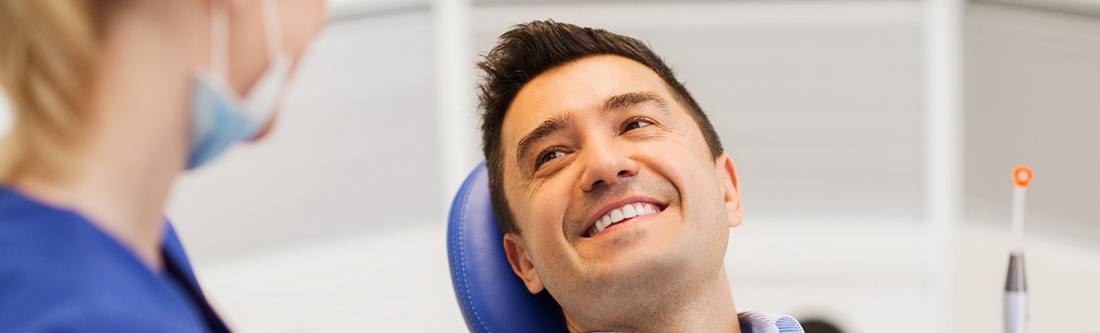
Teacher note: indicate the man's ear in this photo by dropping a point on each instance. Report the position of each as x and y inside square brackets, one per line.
[520, 260]
[731, 189]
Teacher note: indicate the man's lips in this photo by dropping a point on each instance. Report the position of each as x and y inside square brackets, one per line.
[619, 211]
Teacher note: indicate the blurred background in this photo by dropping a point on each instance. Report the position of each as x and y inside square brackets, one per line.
[875, 142]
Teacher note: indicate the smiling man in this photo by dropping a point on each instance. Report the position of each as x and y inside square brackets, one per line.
[610, 184]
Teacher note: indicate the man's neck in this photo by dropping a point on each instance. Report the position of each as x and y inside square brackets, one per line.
[704, 306]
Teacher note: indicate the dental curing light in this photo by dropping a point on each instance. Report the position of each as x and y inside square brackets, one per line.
[1016, 314]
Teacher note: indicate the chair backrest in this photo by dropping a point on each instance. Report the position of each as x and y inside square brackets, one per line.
[490, 295]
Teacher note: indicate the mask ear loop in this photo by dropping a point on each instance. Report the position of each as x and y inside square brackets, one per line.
[219, 39]
[273, 28]
[261, 99]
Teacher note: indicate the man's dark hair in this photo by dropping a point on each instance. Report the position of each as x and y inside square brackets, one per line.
[532, 48]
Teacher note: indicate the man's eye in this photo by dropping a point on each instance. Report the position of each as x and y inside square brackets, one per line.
[548, 156]
[635, 123]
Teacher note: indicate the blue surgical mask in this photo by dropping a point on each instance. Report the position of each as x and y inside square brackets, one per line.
[219, 117]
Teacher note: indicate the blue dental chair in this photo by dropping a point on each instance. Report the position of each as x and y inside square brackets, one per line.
[491, 297]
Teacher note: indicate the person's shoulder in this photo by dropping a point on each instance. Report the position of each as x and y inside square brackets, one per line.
[75, 313]
[69, 296]
[42, 240]
[44, 295]
[57, 273]
[36, 236]
[26, 223]
[759, 322]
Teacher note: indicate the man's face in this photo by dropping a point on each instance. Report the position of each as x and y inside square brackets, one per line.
[604, 136]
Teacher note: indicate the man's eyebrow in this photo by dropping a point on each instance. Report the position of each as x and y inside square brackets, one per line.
[548, 127]
[626, 100]
[559, 122]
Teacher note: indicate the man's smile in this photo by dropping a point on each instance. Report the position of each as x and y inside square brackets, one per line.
[620, 211]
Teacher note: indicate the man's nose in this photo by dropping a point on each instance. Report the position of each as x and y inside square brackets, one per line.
[605, 165]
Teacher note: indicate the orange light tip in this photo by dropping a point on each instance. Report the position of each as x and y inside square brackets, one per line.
[1023, 176]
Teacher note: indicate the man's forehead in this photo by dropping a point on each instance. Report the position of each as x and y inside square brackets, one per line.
[580, 86]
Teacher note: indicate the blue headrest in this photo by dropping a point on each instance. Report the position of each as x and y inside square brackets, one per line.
[491, 297]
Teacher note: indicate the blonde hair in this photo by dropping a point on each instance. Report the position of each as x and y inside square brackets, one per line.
[48, 49]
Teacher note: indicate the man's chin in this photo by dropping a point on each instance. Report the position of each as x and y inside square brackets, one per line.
[624, 286]
[639, 263]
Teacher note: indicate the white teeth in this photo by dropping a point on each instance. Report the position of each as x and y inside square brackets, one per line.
[616, 215]
[629, 211]
[625, 212]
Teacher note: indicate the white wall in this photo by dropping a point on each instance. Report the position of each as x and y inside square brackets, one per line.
[391, 280]
[1034, 97]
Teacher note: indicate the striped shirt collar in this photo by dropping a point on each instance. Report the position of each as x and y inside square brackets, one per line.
[758, 322]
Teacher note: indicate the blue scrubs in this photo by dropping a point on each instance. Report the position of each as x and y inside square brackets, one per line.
[60, 273]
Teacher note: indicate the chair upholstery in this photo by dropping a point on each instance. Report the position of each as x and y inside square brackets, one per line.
[491, 297]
